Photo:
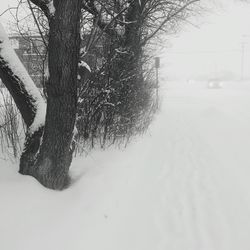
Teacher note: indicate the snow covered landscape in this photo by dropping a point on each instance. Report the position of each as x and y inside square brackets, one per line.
[152, 103]
[185, 185]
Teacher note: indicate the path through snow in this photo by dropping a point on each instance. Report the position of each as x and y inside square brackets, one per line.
[185, 186]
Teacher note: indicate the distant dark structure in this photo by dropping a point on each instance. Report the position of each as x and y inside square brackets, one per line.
[32, 53]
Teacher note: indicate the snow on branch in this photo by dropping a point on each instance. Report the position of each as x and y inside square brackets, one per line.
[19, 72]
[47, 6]
[51, 7]
[83, 64]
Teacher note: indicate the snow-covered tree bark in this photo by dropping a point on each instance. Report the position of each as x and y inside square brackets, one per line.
[27, 98]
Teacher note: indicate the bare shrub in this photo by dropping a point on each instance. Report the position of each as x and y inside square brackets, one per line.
[11, 127]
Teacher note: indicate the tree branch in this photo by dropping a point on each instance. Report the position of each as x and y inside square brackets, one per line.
[168, 18]
[46, 6]
[9, 9]
[37, 24]
[90, 7]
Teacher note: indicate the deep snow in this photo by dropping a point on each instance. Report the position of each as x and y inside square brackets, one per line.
[183, 186]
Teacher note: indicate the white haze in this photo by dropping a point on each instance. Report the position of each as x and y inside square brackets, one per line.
[184, 185]
[214, 48]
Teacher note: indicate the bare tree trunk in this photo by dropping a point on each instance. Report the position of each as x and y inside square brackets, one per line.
[49, 159]
[56, 151]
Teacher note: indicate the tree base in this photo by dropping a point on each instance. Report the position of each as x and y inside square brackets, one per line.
[49, 180]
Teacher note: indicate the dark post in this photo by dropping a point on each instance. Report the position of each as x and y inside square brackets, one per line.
[157, 66]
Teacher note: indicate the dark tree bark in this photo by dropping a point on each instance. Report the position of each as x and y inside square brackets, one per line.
[49, 159]
[55, 154]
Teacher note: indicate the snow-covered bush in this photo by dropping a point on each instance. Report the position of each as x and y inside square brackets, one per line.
[116, 101]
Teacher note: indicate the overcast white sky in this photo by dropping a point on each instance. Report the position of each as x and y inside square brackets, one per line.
[4, 4]
[214, 47]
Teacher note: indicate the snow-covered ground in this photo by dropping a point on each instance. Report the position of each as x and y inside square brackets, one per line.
[184, 186]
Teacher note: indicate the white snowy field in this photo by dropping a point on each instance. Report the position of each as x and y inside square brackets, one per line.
[184, 186]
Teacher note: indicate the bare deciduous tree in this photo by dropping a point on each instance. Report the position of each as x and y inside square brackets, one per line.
[48, 160]
[125, 27]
